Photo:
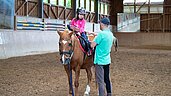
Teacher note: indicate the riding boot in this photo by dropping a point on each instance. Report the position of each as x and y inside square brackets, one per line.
[89, 53]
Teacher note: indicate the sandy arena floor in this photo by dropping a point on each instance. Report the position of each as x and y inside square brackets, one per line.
[134, 72]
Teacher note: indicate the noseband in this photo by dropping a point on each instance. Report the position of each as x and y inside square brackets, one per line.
[69, 53]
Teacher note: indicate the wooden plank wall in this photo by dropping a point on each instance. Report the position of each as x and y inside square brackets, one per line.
[155, 22]
[159, 22]
[26, 8]
[30, 8]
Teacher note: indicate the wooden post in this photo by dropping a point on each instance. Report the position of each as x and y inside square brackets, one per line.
[148, 16]
[134, 6]
[96, 5]
[117, 7]
[15, 22]
[40, 8]
[26, 8]
[74, 5]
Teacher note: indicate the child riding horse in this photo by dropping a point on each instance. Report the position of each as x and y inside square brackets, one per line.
[73, 58]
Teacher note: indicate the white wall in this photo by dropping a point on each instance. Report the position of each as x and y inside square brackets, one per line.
[21, 43]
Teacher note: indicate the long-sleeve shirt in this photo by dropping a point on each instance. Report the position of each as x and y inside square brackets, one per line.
[79, 23]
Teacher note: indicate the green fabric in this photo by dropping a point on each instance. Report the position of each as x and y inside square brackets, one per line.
[104, 41]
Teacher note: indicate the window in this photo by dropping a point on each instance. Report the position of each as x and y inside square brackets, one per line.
[106, 9]
[78, 4]
[45, 1]
[155, 6]
[82, 3]
[102, 8]
[99, 10]
[87, 5]
[53, 2]
[61, 2]
[68, 3]
[92, 5]
[7, 14]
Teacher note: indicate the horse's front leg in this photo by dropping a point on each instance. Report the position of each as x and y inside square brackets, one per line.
[68, 74]
[89, 76]
[77, 75]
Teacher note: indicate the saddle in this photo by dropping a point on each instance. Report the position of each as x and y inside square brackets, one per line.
[83, 44]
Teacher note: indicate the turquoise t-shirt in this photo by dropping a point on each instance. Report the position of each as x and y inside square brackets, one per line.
[104, 41]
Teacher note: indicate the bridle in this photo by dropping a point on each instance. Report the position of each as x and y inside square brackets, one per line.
[67, 62]
[67, 54]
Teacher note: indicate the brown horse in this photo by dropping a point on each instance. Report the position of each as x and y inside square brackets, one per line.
[71, 53]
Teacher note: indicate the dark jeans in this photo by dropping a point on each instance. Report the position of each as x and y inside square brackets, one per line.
[102, 78]
[85, 37]
[106, 78]
[83, 34]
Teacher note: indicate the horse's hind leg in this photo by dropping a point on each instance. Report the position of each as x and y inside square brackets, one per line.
[68, 74]
[89, 76]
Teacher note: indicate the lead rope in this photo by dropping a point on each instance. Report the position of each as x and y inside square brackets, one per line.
[70, 78]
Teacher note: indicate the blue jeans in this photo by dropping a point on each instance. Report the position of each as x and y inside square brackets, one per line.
[85, 37]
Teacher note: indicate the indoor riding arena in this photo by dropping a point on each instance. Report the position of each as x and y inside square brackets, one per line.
[29, 46]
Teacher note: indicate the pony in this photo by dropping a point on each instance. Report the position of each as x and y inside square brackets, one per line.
[73, 58]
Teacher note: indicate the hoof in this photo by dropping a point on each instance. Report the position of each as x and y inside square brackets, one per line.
[86, 94]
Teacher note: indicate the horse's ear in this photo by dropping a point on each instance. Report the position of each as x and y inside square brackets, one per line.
[70, 33]
[59, 32]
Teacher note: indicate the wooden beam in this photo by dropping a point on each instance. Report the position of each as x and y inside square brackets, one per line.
[96, 4]
[40, 8]
[26, 7]
[32, 9]
[61, 12]
[69, 13]
[141, 7]
[92, 18]
[20, 7]
[53, 12]
[116, 7]
[148, 29]
[134, 6]
[45, 13]
[74, 5]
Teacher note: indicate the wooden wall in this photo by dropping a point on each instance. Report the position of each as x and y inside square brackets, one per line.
[159, 22]
[26, 8]
[144, 40]
[31, 8]
[155, 23]
[152, 22]
[57, 12]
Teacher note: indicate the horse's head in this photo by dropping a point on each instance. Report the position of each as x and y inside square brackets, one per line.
[65, 46]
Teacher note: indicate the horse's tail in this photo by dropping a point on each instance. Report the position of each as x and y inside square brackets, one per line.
[116, 44]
